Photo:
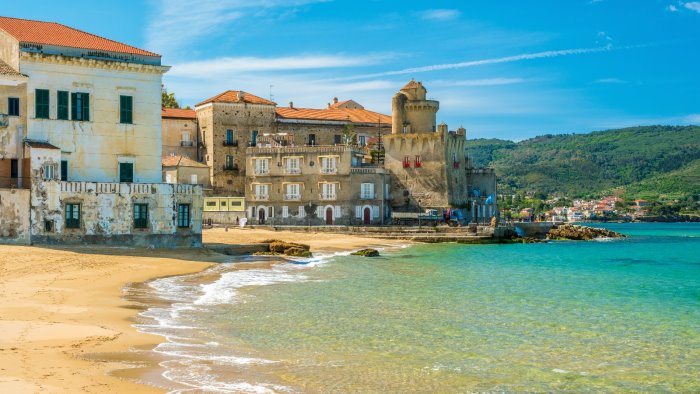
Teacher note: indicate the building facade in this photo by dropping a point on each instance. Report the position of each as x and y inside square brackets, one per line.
[84, 136]
[180, 133]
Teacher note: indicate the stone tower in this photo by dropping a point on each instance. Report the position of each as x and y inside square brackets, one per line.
[411, 112]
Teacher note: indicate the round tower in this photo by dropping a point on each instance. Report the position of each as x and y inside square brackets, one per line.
[419, 113]
[398, 113]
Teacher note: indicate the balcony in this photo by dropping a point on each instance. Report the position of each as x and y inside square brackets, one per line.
[329, 171]
[261, 197]
[262, 171]
[231, 143]
[292, 197]
[406, 164]
[186, 143]
[292, 171]
[233, 167]
[4, 120]
[327, 196]
[368, 196]
[14, 183]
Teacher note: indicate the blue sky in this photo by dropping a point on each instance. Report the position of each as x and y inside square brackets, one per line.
[512, 70]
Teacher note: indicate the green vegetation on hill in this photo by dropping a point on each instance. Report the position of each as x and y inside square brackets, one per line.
[653, 162]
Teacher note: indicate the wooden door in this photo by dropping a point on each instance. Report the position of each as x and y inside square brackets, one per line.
[261, 216]
[329, 216]
[367, 215]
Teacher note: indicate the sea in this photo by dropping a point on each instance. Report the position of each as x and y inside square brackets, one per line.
[613, 315]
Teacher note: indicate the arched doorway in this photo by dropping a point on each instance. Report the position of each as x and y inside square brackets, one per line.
[329, 216]
[367, 215]
[261, 216]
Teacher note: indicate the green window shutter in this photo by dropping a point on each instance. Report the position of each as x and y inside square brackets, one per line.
[126, 172]
[74, 106]
[41, 103]
[62, 110]
[86, 106]
[126, 106]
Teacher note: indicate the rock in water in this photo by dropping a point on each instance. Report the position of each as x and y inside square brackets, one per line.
[366, 253]
[578, 233]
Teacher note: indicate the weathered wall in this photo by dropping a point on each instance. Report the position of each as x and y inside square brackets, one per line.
[12, 135]
[173, 130]
[94, 148]
[9, 50]
[14, 216]
[183, 175]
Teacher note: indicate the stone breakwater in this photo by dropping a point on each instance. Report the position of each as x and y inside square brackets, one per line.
[581, 233]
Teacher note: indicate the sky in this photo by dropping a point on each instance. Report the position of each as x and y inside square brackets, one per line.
[508, 69]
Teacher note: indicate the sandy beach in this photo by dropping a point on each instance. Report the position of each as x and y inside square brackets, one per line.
[61, 306]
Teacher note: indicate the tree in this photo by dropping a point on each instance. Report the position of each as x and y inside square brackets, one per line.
[168, 99]
[349, 135]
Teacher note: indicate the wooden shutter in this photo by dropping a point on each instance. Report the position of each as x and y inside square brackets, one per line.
[73, 106]
[338, 211]
[358, 212]
[86, 106]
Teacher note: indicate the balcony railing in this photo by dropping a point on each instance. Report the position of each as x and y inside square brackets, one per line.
[4, 120]
[327, 196]
[261, 197]
[292, 197]
[292, 171]
[262, 171]
[328, 171]
[231, 143]
[186, 143]
[14, 183]
[231, 167]
[368, 196]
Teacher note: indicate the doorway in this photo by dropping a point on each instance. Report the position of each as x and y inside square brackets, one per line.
[261, 216]
[329, 216]
[367, 215]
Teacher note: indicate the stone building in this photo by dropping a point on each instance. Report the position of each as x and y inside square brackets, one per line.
[82, 135]
[183, 170]
[314, 185]
[428, 163]
[180, 133]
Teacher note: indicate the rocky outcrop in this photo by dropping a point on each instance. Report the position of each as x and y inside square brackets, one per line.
[581, 233]
[276, 248]
[366, 253]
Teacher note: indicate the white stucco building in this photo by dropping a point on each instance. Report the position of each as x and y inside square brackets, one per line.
[80, 131]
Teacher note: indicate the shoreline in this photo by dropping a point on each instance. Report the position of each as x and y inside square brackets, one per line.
[67, 323]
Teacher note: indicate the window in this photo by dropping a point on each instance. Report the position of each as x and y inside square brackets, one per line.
[262, 166]
[362, 140]
[48, 172]
[42, 103]
[328, 165]
[418, 162]
[327, 191]
[64, 170]
[72, 215]
[336, 139]
[13, 106]
[312, 139]
[126, 172]
[48, 226]
[262, 192]
[292, 166]
[80, 106]
[229, 137]
[229, 162]
[183, 215]
[126, 109]
[367, 191]
[254, 138]
[14, 168]
[293, 192]
[140, 215]
[406, 162]
[62, 110]
[193, 179]
[285, 211]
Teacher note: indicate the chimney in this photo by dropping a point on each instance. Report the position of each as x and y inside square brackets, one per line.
[329, 105]
[241, 95]
[335, 100]
[291, 104]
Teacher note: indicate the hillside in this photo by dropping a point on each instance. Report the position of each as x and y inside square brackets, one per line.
[648, 162]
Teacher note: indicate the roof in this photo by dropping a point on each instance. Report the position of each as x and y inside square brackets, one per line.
[178, 113]
[51, 33]
[339, 104]
[335, 114]
[6, 70]
[412, 84]
[40, 145]
[233, 96]
[181, 161]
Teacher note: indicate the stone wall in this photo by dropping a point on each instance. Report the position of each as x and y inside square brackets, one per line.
[14, 216]
[173, 130]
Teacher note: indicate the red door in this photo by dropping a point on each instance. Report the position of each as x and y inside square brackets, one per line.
[329, 216]
[261, 216]
[367, 215]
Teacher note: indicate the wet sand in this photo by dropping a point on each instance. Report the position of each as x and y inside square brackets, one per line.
[65, 326]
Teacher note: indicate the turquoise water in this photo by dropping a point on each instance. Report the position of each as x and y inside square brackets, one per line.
[616, 316]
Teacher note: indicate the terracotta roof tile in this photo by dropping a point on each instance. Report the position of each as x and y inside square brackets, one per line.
[181, 161]
[6, 70]
[335, 114]
[178, 113]
[51, 33]
[232, 96]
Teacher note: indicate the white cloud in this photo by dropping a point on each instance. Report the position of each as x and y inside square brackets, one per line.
[672, 8]
[177, 23]
[610, 81]
[693, 6]
[230, 66]
[694, 119]
[440, 15]
[479, 82]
